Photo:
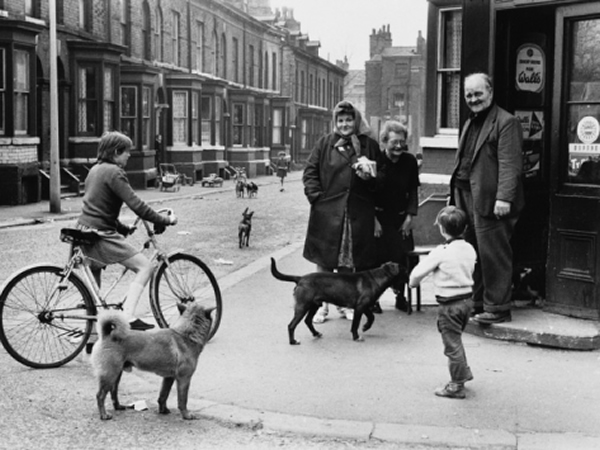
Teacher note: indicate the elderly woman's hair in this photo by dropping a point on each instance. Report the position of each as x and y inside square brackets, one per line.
[453, 220]
[392, 126]
[113, 143]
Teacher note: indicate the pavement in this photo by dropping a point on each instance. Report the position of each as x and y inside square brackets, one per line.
[532, 390]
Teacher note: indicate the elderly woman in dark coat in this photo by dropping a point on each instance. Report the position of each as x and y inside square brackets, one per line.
[341, 190]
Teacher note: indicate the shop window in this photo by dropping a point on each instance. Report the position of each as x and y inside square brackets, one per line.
[583, 103]
[195, 118]
[146, 114]
[238, 123]
[2, 91]
[158, 34]
[277, 126]
[448, 70]
[129, 112]
[180, 117]
[206, 115]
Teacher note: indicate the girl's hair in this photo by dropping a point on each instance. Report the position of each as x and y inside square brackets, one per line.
[112, 143]
[392, 126]
[453, 220]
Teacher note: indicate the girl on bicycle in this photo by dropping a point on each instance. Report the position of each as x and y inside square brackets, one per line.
[106, 189]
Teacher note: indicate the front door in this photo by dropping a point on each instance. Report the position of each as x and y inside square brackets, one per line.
[573, 270]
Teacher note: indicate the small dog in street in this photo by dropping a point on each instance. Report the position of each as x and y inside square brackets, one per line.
[171, 353]
[252, 189]
[244, 228]
[358, 290]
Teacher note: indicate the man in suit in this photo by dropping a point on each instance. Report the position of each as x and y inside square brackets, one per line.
[486, 183]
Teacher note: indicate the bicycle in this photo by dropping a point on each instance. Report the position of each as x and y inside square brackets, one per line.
[47, 312]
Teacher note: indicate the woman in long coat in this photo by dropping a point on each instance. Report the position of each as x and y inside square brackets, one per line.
[341, 227]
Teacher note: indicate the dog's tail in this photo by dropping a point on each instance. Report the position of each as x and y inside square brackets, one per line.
[112, 325]
[280, 276]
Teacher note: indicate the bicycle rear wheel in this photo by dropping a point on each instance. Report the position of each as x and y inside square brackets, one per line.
[185, 278]
[44, 317]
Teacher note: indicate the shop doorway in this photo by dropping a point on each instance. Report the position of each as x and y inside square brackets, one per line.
[573, 267]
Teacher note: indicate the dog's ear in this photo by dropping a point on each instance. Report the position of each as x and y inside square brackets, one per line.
[181, 307]
[251, 214]
[245, 211]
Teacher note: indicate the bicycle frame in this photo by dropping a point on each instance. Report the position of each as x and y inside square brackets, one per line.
[78, 260]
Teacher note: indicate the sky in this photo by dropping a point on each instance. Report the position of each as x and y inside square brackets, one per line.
[343, 26]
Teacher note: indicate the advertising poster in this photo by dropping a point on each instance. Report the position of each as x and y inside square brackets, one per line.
[532, 123]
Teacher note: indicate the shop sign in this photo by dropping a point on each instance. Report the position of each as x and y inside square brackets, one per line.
[588, 129]
[531, 67]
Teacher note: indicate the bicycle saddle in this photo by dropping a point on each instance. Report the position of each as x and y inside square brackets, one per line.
[78, 237]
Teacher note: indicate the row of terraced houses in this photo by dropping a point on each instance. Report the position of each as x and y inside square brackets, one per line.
[201, 84]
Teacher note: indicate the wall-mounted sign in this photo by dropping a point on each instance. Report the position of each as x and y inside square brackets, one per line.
[531, 68]
[588, 129]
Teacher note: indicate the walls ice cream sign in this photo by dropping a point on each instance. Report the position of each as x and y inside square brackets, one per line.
[530, 71]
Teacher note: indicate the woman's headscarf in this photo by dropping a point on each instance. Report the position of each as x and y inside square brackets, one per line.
[360, 125]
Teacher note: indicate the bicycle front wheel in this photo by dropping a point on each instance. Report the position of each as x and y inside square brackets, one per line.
[45, 317]
[184, 278]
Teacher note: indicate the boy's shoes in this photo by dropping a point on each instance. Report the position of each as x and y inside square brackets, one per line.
[493, 317]
[451, 390]
[377, 308]
[401, 303]
[140, 325]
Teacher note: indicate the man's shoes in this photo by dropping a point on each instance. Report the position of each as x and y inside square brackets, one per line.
[451, 390]
[140, 325]
[349, 314]
[493, 317]
[401, 303]
[477, 310]
[377, 308]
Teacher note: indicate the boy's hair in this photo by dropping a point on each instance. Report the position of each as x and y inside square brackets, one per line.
[453, 220]
[112, 143]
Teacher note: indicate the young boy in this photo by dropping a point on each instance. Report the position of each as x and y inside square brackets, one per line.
[451, 265]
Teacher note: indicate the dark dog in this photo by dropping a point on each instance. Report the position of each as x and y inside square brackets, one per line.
[358, 290]
[245, 227]
[252, 189]
[171, 353]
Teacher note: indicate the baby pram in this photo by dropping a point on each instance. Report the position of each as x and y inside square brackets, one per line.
[168, 177]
